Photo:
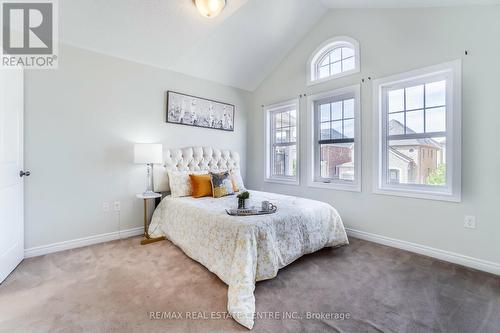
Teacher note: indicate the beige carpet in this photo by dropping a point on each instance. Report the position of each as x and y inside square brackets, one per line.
[113, 287]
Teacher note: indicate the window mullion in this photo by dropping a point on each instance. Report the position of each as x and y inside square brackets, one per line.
[404, 108]
[343, 130]
[341, 60]
[424, 107]
[273, 140]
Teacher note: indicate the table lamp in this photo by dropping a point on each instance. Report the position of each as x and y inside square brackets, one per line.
[149, 154]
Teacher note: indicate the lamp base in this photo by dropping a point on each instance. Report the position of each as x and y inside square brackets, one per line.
[149, 187]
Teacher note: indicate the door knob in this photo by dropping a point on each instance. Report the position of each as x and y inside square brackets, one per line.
[22, 173]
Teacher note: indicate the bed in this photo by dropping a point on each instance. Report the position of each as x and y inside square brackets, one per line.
[241, 250]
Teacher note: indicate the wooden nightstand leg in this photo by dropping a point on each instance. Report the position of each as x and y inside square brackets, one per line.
[152, 240]
[148, 239]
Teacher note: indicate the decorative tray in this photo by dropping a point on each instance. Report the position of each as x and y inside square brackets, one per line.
[249, 211]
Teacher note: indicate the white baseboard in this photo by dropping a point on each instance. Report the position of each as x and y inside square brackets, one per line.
[479, 264]
[75, 243]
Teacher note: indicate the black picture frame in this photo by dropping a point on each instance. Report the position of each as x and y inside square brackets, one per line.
[203, 112]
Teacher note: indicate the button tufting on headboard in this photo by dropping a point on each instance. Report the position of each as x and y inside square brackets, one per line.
[193, 159]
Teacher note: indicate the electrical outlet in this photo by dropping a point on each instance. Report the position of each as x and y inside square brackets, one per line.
[116, 206]
[470, 222]
[105, 206]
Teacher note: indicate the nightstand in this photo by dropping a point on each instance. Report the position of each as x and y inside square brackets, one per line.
[145, 197]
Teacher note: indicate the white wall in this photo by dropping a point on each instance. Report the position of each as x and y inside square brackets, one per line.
[80, 125]
[394, 41]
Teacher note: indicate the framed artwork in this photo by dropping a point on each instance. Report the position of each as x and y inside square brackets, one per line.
[200, 112]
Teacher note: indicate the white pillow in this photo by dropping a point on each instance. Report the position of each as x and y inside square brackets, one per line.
[237, 180]
[180, 184]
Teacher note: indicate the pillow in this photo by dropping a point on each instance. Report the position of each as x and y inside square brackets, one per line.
[221, 184]
[237, 181]
[180, 184]
[201, 185]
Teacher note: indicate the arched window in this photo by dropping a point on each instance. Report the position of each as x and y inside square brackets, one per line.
[336, 57]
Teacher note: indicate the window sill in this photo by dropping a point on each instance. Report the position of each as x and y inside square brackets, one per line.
[294, 182]
[336, 186]
[332, 77]
[419, 194]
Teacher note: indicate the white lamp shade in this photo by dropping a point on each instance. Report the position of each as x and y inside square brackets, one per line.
[148, 153]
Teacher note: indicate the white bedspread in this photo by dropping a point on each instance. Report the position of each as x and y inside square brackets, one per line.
[243, 250]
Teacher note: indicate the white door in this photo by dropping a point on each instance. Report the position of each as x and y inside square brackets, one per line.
[11, 163]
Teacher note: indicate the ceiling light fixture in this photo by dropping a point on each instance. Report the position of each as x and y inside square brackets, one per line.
[210, 8]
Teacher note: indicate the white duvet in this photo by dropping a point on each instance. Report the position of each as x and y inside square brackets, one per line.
[241, 250]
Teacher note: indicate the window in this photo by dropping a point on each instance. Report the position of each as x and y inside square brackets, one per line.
[335, 140]
[282, 142]
[335, 58]
[419, 133]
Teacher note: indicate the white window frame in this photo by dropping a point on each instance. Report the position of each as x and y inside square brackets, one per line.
[312, 144]
[452, 72]
[326, 47]
[268, 110]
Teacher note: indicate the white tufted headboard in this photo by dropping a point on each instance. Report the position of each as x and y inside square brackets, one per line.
[193, 159]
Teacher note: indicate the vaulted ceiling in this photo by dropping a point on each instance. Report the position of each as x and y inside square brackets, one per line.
[239, 48]
[403, 3]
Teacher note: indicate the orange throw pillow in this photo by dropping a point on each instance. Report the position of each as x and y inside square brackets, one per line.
[201, 185]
